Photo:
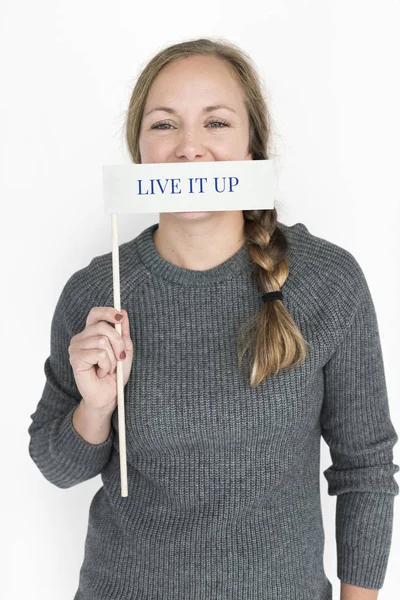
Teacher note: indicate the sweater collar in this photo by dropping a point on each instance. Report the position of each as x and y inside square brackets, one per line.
[239, 263]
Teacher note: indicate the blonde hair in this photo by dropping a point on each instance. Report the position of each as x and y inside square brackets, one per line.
[271, 334]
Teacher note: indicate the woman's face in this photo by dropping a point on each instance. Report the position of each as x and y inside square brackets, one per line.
[178, 124]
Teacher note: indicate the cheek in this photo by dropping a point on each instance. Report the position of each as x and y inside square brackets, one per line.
[231, 147]
[229, 151]
[154, 149]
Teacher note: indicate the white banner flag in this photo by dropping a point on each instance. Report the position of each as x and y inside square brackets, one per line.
[190, 186]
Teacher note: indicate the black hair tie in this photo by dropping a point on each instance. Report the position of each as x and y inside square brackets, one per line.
[272, 296]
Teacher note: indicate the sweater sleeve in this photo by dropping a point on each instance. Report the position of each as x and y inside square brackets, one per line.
[356, 425]
[61, 454]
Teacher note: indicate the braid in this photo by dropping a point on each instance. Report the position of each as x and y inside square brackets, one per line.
[267, 247]
[272, 333]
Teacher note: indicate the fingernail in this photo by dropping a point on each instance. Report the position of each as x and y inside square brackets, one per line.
[119, 317]
[122, 355]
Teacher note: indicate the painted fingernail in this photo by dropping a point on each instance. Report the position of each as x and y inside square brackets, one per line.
[119, 317]
[122, 355]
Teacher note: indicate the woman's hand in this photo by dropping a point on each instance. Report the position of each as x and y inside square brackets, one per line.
[93, 356]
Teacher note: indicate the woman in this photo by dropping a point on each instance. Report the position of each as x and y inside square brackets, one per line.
[223, 453]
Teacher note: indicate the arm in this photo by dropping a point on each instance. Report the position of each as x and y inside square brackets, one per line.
[64, 454]
[92, 425]
[352, 592]
[356, 425]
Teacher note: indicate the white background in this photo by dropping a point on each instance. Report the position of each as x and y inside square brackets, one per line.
[68, 68]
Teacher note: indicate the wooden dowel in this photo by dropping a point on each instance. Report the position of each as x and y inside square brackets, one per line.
[120, 377]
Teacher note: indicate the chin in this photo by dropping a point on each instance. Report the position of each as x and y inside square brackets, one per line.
[193, 214]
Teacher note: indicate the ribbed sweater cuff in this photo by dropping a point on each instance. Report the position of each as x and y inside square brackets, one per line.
[364, 523]
[77, 450]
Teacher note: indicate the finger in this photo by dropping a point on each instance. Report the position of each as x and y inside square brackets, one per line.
[102, 328]
[100, 341]
[85, 359]
[102, 313]
[125, 331]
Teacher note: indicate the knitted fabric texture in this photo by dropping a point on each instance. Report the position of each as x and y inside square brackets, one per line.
[224, 480]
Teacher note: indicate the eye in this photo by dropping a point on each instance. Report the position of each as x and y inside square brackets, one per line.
[158, 126]
[223, 123]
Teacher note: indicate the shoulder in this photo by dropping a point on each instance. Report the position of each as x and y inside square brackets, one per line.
[308, 246]
[307, 250]
[92, 285]
[327, 277]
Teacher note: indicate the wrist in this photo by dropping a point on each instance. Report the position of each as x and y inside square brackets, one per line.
[92, 425]
[105, 411]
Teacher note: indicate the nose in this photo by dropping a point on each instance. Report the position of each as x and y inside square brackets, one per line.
[190, 145]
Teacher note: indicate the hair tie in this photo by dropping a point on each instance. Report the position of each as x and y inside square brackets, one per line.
[272, 296]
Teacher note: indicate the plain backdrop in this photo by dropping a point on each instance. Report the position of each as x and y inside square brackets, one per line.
[67, 70]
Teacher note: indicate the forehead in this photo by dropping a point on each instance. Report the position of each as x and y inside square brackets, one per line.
[196, 76]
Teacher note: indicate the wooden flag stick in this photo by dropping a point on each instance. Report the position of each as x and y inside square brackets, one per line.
[120, 377]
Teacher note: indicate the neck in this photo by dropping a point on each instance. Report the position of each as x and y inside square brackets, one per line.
[199, 241]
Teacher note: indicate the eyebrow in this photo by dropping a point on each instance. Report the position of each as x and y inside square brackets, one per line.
[205, 110]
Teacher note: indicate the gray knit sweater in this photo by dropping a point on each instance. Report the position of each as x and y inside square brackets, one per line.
[223, 480]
